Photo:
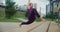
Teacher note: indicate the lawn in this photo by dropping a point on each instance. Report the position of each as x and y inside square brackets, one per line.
[19, 15]
[9, 20]
[2, 14]
[37, 20]
[54, 20]
[14, 18]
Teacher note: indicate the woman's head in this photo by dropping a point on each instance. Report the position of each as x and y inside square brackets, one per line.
[30, 5]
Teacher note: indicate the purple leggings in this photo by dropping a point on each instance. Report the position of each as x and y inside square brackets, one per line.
[31, 20]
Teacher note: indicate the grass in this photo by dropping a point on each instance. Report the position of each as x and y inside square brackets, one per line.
[54, 20]
[2, 13]
[37, 20]
[14, 19]
[19, 15]
[9, 20]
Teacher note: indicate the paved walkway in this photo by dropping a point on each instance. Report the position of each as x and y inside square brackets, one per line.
[4, 26]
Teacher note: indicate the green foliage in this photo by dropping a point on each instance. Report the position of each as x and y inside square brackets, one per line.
[2, 14]
[52, 16]
[26, 14]
[9, 20]
[38, 20]
[48, 16]
[10, 8]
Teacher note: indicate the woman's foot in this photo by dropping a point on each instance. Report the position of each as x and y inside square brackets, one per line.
[20, 25]
[42, 19]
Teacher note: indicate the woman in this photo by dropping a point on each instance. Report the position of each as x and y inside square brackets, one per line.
[32, 14]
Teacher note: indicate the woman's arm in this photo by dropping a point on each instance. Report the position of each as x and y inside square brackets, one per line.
[42, 19]
[36, 13]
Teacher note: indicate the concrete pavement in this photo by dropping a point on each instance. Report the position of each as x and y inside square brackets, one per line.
[4, 26]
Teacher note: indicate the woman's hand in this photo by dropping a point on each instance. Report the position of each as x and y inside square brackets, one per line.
[42, 19]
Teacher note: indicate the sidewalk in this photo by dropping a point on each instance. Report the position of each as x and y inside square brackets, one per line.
[4, 26]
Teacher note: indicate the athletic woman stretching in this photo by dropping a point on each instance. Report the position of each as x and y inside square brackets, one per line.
[32, 14]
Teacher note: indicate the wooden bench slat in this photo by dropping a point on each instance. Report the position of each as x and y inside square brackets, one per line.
[53, 27]
[42, 28]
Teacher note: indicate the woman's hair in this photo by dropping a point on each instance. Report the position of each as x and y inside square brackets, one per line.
[30, 4]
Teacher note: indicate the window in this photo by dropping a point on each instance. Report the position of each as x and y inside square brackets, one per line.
[54, 4]
[59, 4]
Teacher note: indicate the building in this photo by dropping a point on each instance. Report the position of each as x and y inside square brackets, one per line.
[35, 5]
[54, 5]
[23, 8]
[2, 7]
[47, 9]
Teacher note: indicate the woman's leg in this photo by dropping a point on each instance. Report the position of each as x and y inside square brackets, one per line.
[28, 22]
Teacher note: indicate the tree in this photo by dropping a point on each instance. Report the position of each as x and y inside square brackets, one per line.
[10, 8]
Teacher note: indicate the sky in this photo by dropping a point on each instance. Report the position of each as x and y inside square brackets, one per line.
[2, 1]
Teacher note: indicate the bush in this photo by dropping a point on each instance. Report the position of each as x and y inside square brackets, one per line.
[10, 8]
